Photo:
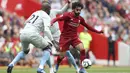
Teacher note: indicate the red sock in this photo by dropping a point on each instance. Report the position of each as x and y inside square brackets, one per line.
[82, 55]
[59, 59]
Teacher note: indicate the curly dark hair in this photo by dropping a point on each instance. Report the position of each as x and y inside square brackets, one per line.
[77, 4]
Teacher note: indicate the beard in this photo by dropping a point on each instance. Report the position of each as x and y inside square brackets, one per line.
[77, 14]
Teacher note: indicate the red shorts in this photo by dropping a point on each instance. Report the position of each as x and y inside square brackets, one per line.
[65, 42]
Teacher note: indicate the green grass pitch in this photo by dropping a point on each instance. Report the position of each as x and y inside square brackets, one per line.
[66, 69]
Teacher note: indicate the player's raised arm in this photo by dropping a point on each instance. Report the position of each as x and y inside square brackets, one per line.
[66, 6]
[89, 27]
[64, 17]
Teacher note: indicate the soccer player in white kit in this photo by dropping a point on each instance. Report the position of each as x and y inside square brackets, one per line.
[38, 22]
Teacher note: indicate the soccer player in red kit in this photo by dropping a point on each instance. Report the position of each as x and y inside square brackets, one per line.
[69, 34]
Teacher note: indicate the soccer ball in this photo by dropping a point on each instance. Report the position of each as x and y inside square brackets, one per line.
[86, 63]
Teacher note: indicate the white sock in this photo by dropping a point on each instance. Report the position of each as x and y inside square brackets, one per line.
[41, 67]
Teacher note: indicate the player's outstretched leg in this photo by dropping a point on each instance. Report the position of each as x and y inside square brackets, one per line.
[50, 65]
[82, 57]
[59, 59]
[9, 69]
[45, 57]
[72, 60]
[16, 59]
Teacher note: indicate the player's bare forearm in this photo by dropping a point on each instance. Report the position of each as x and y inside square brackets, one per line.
[66, 6]
[64, 9]
[90, 28]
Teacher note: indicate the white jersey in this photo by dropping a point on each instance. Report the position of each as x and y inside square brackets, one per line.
[38, 22]
[55, 28]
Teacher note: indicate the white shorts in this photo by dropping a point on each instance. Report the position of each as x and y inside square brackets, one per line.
[32, 38]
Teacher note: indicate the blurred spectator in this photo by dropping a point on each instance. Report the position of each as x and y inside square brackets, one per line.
[55, 4]
[128, 41]
[98, 26]
[124, 35]
[86, 39]
[4, 58]
[120, 8]
[111, 42]
[2, 39]
[31, 61]
[1, 19]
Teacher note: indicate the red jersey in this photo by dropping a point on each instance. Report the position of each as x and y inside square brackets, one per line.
[71, 24]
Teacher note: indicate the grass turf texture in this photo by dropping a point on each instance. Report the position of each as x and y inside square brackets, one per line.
[66, 69]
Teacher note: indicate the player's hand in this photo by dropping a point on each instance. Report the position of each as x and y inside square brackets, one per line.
[101, 31]
[68, 1]
[56, 45]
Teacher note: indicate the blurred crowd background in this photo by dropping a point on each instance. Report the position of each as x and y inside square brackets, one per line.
[111, 16]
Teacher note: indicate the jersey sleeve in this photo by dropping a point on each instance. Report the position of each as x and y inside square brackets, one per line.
[63, 17]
